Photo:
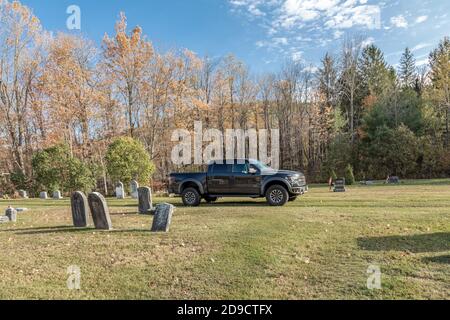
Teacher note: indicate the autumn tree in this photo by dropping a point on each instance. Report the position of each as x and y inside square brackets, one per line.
[127, 58]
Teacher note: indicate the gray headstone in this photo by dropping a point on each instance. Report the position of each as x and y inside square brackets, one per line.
[80, 208]
[120, 191]
[23, 194]
[394, 180]
[57, 195]
[339, 185]
[43, 195]
[99, 211]
[163, 217]
[4, 219]
[21, 209]
[134, 186]
[11, 214]
[145, 200]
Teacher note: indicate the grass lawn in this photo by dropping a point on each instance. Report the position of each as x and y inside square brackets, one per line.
[318, 247]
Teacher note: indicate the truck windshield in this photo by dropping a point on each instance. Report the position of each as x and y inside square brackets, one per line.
[260, 165]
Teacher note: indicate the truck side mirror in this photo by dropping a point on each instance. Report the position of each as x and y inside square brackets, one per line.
[252, 171]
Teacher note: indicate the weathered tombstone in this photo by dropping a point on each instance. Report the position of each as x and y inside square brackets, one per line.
[134, 186]
[79, 204]
[99, 211]
[120, 191]
[23, 194]
[4, 219]
[43, 195]
[339, 185]
[394, 180]
[57, 195]
[163, 217]
[145, 200]
[11, 213]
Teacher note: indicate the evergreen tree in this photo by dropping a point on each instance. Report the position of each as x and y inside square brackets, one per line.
[407, 69]
[374, 72]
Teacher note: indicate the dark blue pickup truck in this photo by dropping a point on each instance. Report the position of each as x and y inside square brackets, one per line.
[238, 178]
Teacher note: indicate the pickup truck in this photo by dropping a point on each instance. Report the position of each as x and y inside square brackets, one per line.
[238, 178]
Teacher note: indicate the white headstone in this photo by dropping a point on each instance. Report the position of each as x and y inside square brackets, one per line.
[120, 191]
[57, 195]
[134, 186]
[43, 195]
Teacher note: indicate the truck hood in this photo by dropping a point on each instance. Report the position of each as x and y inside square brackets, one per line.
[284, 173]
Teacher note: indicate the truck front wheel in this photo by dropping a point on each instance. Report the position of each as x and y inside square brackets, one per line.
[277, 196]
[191, 197]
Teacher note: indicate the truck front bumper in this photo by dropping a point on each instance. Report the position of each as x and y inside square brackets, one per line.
[299, 190]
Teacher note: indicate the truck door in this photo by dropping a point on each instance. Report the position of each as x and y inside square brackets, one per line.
[245, 183]
[219, 178]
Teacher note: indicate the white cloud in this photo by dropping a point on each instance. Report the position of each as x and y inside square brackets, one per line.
[297, 56]
[367, 42]
[338, 34]
[399, 22]
[421, 46]
[366, 16]
[421, 19]
[422, 62]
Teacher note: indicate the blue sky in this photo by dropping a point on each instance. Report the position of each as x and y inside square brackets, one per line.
[263, 33]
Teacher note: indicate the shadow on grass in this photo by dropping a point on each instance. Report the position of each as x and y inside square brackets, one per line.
[436, 242]
[123, 213]
[440, 260]
[35, 229]
[79, 230]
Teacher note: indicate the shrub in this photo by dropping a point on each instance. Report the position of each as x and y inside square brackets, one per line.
[349, 176]
[127, 159]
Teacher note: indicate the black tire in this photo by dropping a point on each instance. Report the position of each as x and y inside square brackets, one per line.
[211, 199]
[191, 197]
[292, 199]
[277, 196]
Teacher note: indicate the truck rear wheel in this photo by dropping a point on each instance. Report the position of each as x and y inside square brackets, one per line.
[191, 197]
[277, 196]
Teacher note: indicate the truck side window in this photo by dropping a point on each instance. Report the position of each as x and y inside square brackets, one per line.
[240, 168]
[222, 168]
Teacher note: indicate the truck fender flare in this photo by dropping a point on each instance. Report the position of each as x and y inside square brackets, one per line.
[280, 181]
[184, 182]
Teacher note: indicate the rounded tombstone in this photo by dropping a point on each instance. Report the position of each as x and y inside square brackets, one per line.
[80, 207]
[99, 211]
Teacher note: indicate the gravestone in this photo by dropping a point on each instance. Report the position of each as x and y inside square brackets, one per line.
[134, 186]
[4, 219]
[120, 191]
[23, 194]
[339, 185]
[99, 211]
[43, 195]
[163, 217]
[145, 200]
[394, 180]
[57, 195]
[11, 213]
[79, 204]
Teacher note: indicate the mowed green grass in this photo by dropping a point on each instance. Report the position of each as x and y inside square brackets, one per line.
[318, 247]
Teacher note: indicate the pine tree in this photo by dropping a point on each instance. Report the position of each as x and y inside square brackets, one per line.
[407, 69]
[374, 71]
